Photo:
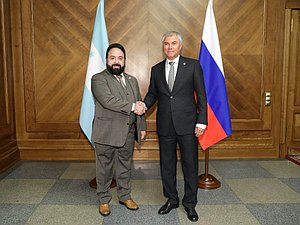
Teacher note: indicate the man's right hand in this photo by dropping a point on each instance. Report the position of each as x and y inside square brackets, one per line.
[140, 108]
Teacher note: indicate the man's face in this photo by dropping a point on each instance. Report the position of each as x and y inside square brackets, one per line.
[172, 47]
[115, 62]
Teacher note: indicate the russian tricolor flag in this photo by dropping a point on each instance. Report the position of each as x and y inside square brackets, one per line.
[219, 123]
[96, 64]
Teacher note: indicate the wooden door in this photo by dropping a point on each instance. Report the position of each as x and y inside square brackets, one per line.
[9, 153]
[293, 94]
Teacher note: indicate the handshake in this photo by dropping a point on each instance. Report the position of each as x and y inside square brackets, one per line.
[140, 108]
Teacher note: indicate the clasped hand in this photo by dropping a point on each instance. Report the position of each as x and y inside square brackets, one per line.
[140, 108]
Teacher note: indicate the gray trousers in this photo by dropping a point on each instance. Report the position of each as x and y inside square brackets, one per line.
[121, 158]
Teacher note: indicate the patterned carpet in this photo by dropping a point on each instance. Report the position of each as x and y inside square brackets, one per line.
[252, 192]
[294, 155]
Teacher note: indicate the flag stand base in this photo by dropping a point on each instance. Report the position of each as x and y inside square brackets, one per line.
[208, 181]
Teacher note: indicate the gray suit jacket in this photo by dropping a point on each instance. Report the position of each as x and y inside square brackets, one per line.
[112, 109]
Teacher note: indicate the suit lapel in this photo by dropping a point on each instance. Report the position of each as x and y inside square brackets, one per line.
[162, 71]
[129, 84]
[114, 80]
[179, 74]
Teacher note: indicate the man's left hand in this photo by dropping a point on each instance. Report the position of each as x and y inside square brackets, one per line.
[198, 131]
[143, 135]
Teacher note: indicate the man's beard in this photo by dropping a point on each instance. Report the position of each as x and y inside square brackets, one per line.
[116, 69]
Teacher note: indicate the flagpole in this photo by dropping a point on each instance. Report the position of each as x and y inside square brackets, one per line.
[208, 181]
[218, 114]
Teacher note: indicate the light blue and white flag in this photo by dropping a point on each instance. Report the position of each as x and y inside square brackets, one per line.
[96, 64]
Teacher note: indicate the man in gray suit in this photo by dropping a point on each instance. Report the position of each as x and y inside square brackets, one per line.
[115, 127]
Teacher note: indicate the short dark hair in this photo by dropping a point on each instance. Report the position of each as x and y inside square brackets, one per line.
[116, 45]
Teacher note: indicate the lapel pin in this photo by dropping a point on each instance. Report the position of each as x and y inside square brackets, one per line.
[184, 63]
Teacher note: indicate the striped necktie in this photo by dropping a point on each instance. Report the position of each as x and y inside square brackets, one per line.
[120, 79]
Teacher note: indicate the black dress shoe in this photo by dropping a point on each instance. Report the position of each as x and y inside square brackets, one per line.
[191, 214]
[166, 208]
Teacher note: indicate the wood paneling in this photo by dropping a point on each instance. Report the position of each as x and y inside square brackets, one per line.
[292, 4]
[51, 47]
[9, 153]
[293, 78]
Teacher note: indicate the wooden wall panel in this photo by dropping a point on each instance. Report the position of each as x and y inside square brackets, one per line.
[9, 153]
[293, 78]
[292, 4]
[59, 34]
[55, 37]
[296, 131]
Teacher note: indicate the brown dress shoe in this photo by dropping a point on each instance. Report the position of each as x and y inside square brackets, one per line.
[130, 204]
[104, 209]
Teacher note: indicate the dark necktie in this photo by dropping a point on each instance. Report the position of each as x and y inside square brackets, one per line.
[171, 76]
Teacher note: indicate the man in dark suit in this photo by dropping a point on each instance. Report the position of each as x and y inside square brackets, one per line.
[115, 127]
[178, 86]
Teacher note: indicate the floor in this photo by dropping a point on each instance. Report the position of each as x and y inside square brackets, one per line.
[252, 192]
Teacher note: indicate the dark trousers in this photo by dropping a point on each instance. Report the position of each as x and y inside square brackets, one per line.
[188, 145]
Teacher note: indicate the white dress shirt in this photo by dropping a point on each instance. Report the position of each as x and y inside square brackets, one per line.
[168, 66]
